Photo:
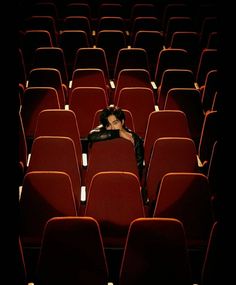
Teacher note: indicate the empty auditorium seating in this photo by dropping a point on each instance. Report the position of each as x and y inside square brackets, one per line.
[186, 196]
[31, 40]
[152, 42]
[110, 10]
[164, 123]
[89, 77]
[169, 59]
[141, 102]
[70, 41]
[56, 153]
[72, 252]
[36, 99]
[175, 24]
[22, 151]
[187, 100]
[144, 23]
[49, 77]
[169, 154]
[111, 23]
[44, 9]
[208, 61]
[51, 57]
[84, 102]
[142, 9]
[131, 77]
[209, 90]
[60, 122]
[111, 41]
[21, 271]
[114, 200]
[209, 134]
[174, 10]
[208, 25]
[102, 156]
[188, 40]
[45, 194]
[216, 265]
[213, 40]
[91, 57]
[173, 78]
[155, 251]
[22, 75]
[205, 11]
[128, 58]
[42, 22]
[78, 23]
[77, 9]
[213, 169]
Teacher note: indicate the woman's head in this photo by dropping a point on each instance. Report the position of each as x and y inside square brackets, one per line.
[112, 118]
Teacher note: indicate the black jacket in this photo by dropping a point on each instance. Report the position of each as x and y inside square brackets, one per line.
[100, 133]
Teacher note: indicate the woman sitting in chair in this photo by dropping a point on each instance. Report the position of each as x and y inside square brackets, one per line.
[113, 126]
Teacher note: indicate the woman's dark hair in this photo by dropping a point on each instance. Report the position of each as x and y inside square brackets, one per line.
[111, 110]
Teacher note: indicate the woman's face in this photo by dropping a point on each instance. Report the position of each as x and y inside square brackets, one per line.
[114, 123]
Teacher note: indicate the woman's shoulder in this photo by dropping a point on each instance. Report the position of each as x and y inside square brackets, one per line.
[134, 134]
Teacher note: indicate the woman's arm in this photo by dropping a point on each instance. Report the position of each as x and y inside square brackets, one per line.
[101, 134]
[139, 151]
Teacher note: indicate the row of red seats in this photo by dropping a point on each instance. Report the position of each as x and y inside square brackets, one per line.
[111, 42]
[159, 124]
[129, 10]
[159, 243]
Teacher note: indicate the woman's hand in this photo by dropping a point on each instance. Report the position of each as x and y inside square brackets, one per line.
[126, 135]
